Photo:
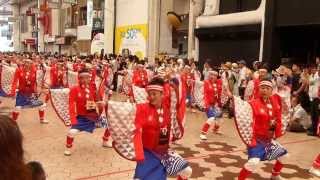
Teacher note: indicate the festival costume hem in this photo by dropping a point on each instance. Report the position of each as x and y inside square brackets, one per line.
[160, 166]
[27, 101]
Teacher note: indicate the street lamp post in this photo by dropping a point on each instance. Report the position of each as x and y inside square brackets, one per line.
[38, 26]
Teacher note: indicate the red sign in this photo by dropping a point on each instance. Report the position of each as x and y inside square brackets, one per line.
[30, 41]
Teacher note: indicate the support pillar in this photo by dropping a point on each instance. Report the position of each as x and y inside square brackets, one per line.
[109, 23]
[153, 23]
[191, 31]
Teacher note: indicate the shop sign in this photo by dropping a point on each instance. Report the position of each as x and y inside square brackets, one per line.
[70, 1]
[49, 39]
[60, 40]
[89, 12]
[30, 41]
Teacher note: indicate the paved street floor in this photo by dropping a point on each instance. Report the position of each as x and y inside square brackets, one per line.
[221, 157]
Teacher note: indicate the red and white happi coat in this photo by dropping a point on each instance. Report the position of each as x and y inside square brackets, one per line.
[60, 97]
[252, 118]
[58, 77]
[135, 126]
[212, 93]
[175, 98]
[124, 130]
[205, 93]
[26, 80]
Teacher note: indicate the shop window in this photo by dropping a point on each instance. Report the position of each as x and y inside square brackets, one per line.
[70, 17]
[98, 15]
[74, 16]
[83, 16]
[33, 20]
[24, 24]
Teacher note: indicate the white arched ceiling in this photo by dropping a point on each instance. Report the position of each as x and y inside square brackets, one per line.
[210, 19]
[233, 19]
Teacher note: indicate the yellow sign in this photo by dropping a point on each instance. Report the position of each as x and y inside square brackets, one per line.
[132, 37]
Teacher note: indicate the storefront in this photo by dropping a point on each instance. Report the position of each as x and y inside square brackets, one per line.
[29, 45]
[83, 21]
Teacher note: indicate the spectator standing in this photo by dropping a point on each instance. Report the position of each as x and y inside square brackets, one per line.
[242, 81]
[314, 99]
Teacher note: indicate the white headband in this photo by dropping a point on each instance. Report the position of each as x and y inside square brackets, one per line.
[213, 72]
[84, 74]
[266, 83]
[154, 87]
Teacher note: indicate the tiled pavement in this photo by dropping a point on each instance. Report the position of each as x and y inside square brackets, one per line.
[221, 157]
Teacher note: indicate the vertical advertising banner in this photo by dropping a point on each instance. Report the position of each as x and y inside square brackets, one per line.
[132, 27]
[132, 37]
[89, 12]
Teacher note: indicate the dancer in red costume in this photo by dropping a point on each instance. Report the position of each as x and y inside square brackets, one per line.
[153, 121]
[139, 79]
[58, 78]
[267, 126]
[189, 78]
[140, 76]
[58, 73]
[212, 101]
[27, 94]
[85, 108]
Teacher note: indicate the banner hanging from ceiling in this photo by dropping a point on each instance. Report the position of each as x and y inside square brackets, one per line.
[97, 43]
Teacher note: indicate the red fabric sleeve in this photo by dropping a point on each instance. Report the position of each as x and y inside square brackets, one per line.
[137, 139]
[206, 95]
[278, 130]
[101, 90]
[219, 82]
[52, 69]
[253, 140]
[94, 91]
[135, 78]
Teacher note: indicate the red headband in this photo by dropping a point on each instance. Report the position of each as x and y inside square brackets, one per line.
[154, 87]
